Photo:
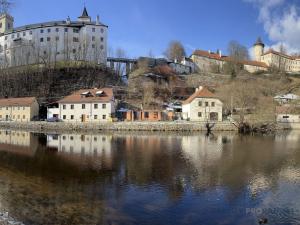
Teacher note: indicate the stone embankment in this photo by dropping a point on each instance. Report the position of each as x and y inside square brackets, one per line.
[118, 126]
[5, 219]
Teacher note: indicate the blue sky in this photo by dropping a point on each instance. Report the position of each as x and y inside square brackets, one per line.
[141, 26]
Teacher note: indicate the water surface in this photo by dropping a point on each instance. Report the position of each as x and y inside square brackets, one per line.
[150, 178]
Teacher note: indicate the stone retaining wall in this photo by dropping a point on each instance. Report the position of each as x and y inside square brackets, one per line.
[119, 126]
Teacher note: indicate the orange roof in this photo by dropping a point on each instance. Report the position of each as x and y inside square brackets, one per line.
[271, 51]
[255, 63]
[208, 54]
[28, 101]
[202, 93]
[89, 96]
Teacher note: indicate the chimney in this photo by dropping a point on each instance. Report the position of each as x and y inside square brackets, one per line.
[200, 88]
[220, 53]
[98, 20]
[68, 20]
[209, 51]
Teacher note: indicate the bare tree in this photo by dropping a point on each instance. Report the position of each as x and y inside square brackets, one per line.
[5, 6]
[175, 51]
[237, 54]
[120, 69]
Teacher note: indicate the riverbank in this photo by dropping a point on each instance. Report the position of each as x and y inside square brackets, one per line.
[118, 126]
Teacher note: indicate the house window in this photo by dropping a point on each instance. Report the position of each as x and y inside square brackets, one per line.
[6, 37]
[75, 30]
[83, 106]
[24, 34]
[72, 106]
[57, 38]
[48, 39]
[72, 117]
[146, 114]
[93, 45]
[75, 39]
[104, 117]
[95, 106]
[66, 29]
[285, 117]
[93, 29]
[64, 117]
[101, 47]
[30, 32]
[18, 35]
[102, 30]
[74, 51]
[41, 39]
[24, 116]
[102, 39]
[57, 29]
[93, 38]
[95, 117]
[206, 104]
[199, 114]
[200, 103]
[42, 31]
[64, 107]
[213, 104]
[49, 30]
[104, 106]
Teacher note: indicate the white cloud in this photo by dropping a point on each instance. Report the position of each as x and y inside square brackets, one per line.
[281, 21]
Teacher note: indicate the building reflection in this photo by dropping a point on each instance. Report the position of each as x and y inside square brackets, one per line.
[85, 149]
[18, 142]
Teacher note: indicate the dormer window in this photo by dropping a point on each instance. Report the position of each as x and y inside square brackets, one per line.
[86, 94]
[99, 93]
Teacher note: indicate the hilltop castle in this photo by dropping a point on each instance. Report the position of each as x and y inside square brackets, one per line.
[49, 42]
[276, 59]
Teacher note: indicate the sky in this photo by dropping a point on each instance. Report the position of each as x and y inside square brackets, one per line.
[144, 27]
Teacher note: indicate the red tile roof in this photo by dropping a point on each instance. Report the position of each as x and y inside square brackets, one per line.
[78, 97]
[202, 93]
[28, 101]
[208, 54]
[255, 63]
[271, 51]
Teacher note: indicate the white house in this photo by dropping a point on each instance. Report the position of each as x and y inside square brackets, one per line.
[286, 98]
[88, 105]
[48, 42]
[202, 106]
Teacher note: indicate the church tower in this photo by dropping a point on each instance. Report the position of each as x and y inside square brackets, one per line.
[6, 23]
[258, 49]
[85, 16]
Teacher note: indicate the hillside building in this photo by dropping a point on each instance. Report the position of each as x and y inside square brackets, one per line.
[88, 105]
[202, 106]
[49, 42]
[18, 109]
[207, 61]
[276, 59]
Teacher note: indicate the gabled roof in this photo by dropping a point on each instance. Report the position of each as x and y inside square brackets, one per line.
[201, 93]
[255, 63]
[85, 13]
[27, 101]
[92, 96]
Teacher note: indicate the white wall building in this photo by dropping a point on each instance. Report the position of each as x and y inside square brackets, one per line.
[88, 105]
[81, 40]
[202, 106]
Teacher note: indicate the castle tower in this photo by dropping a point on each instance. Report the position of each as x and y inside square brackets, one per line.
[6, 23]
[85, 16]
[258, 49]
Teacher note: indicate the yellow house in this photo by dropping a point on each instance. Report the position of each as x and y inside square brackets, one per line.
[18, 109]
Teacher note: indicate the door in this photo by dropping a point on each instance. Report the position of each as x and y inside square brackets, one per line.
[83, 118]
[213, 116]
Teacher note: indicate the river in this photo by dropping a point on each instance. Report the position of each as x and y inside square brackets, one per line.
[150, 178]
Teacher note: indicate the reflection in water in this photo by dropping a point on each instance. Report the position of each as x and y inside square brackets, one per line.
[149, 178]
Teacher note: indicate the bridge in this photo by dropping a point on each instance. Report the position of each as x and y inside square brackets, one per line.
[129, 63]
